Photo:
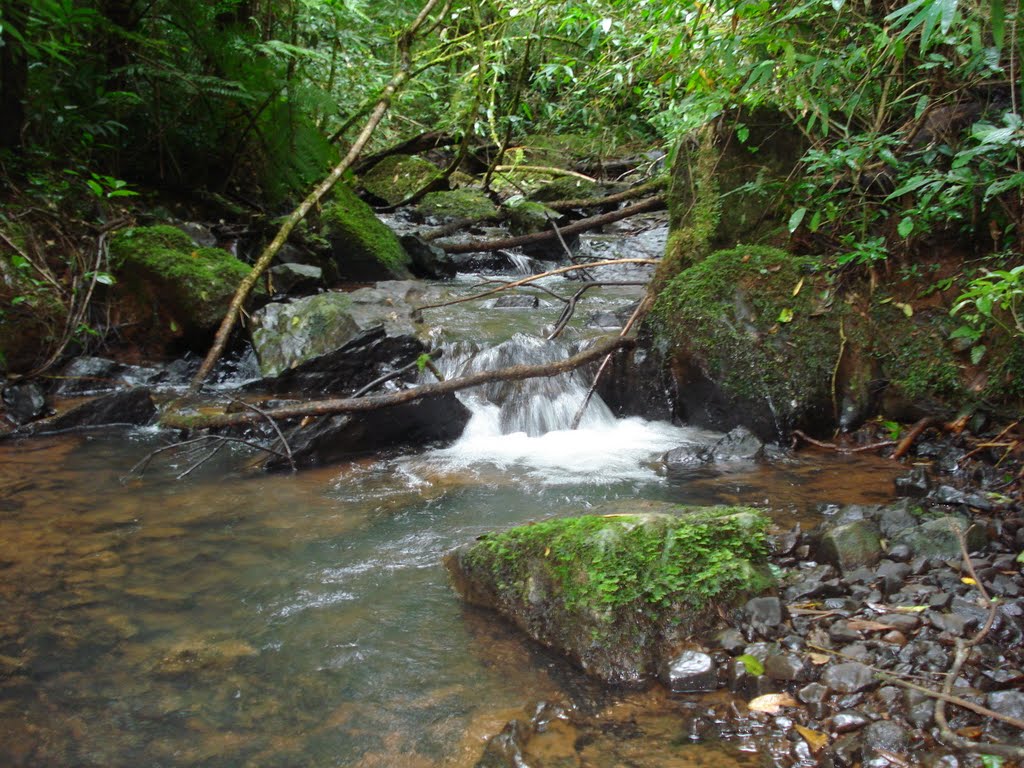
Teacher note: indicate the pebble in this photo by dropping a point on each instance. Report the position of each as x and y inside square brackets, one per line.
[849, 677]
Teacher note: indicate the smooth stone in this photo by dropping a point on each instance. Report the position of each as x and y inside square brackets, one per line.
[692, 672]
[849, 677]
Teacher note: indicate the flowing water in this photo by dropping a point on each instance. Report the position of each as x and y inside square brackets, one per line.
[233, 618]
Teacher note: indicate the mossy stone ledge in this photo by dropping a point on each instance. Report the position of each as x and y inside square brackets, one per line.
[170, 289]
[618, 595]
[362, 246]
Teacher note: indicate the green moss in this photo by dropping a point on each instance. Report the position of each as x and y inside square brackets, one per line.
[737, 313]
[194, 284]
[467, 204]
[566, 188]
[398, 177]
[527, 217]
[694, 207]
[357, 233]
[638, 562]
[914, 353]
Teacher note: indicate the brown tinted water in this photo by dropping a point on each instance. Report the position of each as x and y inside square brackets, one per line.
[241, 619]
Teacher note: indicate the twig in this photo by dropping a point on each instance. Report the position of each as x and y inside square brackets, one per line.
[528, 280]
[274, 425]
[914, 433]
[840, 448]
[604, 364]
[398, 372]
[141, 465]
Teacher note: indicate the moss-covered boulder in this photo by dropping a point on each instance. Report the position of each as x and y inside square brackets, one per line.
[398, 177]
[752, 339]
[457, 205]
[618, 595]
[168, 289]
[568, 188]
[362, 246]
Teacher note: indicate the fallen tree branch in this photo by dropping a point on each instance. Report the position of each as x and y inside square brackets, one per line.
[177, 420]
[583, 225]
[915, 432]
[274, 425]
[620, 197]
[400, 371]
[397, 80]
[840, 448]
[531, 278]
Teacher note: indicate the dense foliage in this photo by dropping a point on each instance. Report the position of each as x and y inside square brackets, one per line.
[910, 110]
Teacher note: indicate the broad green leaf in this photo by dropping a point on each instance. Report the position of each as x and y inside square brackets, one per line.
[948, 13]
[95, 187]
[751, 664]
[997, 17]
[785, 315]
[977, 353]
[796, 218]
[906, 226]
[914, 182]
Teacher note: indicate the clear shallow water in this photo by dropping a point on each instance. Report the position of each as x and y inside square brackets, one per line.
[234, 618]
[244, 619]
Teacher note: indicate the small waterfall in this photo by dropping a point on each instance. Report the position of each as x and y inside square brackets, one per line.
[521, 263]
[535, 406]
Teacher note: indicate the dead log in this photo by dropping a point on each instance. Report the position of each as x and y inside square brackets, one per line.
[620, 197]
[583, 225]
[178, 419]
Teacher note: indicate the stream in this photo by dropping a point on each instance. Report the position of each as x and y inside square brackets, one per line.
[237, 618]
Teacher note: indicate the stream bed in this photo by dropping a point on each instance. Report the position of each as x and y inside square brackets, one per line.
[238, 618]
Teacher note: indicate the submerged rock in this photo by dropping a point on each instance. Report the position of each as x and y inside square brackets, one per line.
[618, 595]
[92, 375]
[133, 407]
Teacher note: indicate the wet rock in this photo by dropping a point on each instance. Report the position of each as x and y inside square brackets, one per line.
[428, 260]
[892, 575]
[920, 709]
[815, 582]
[295, 278]
[894, 519]
[730, 640]
[785, 667]
[851, 545]
[506, 749]
[881, 737]
[517, 302]
[849, 677]
[23, 402]
[590, 588]
[849, 720]
[417, 424]
[739, 444]
[937, 538]
[904, 622]
[691, 672]
[764, 614]
[900, 553]
[914, 483]
[467, 205]
[1007, 704]
[93, 375]
[133, 407]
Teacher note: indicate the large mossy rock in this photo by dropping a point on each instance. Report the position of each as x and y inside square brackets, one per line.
[398, 177]
[619, 594]
[750, 341]
[362, 246]
[469, 205]
[169, 289]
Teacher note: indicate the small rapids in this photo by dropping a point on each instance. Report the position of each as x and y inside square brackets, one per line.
[526, 427]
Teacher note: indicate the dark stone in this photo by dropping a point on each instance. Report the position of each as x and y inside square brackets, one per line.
[849, 677]
[1007, 703]
[93, 375]
[927, 655]
[904, 622]
[367, 356]
[914, 483]
[947, 494]
[937, 539]
[133, 407]
[295, 278]
[950, 623]
[731, 641]
[920, 708]
[428, 260]
[739, 444]
[691, 672]
[857, 652]
[764, 613]
[517, 302]
[815, 582]
[849, 720]
[851, 545]
[812, 693]
[899, 553]
[785, 667]
[506, 749]
[24, 402]
[845, 751]
[345, 436]
[884, 736]
[892, 575]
